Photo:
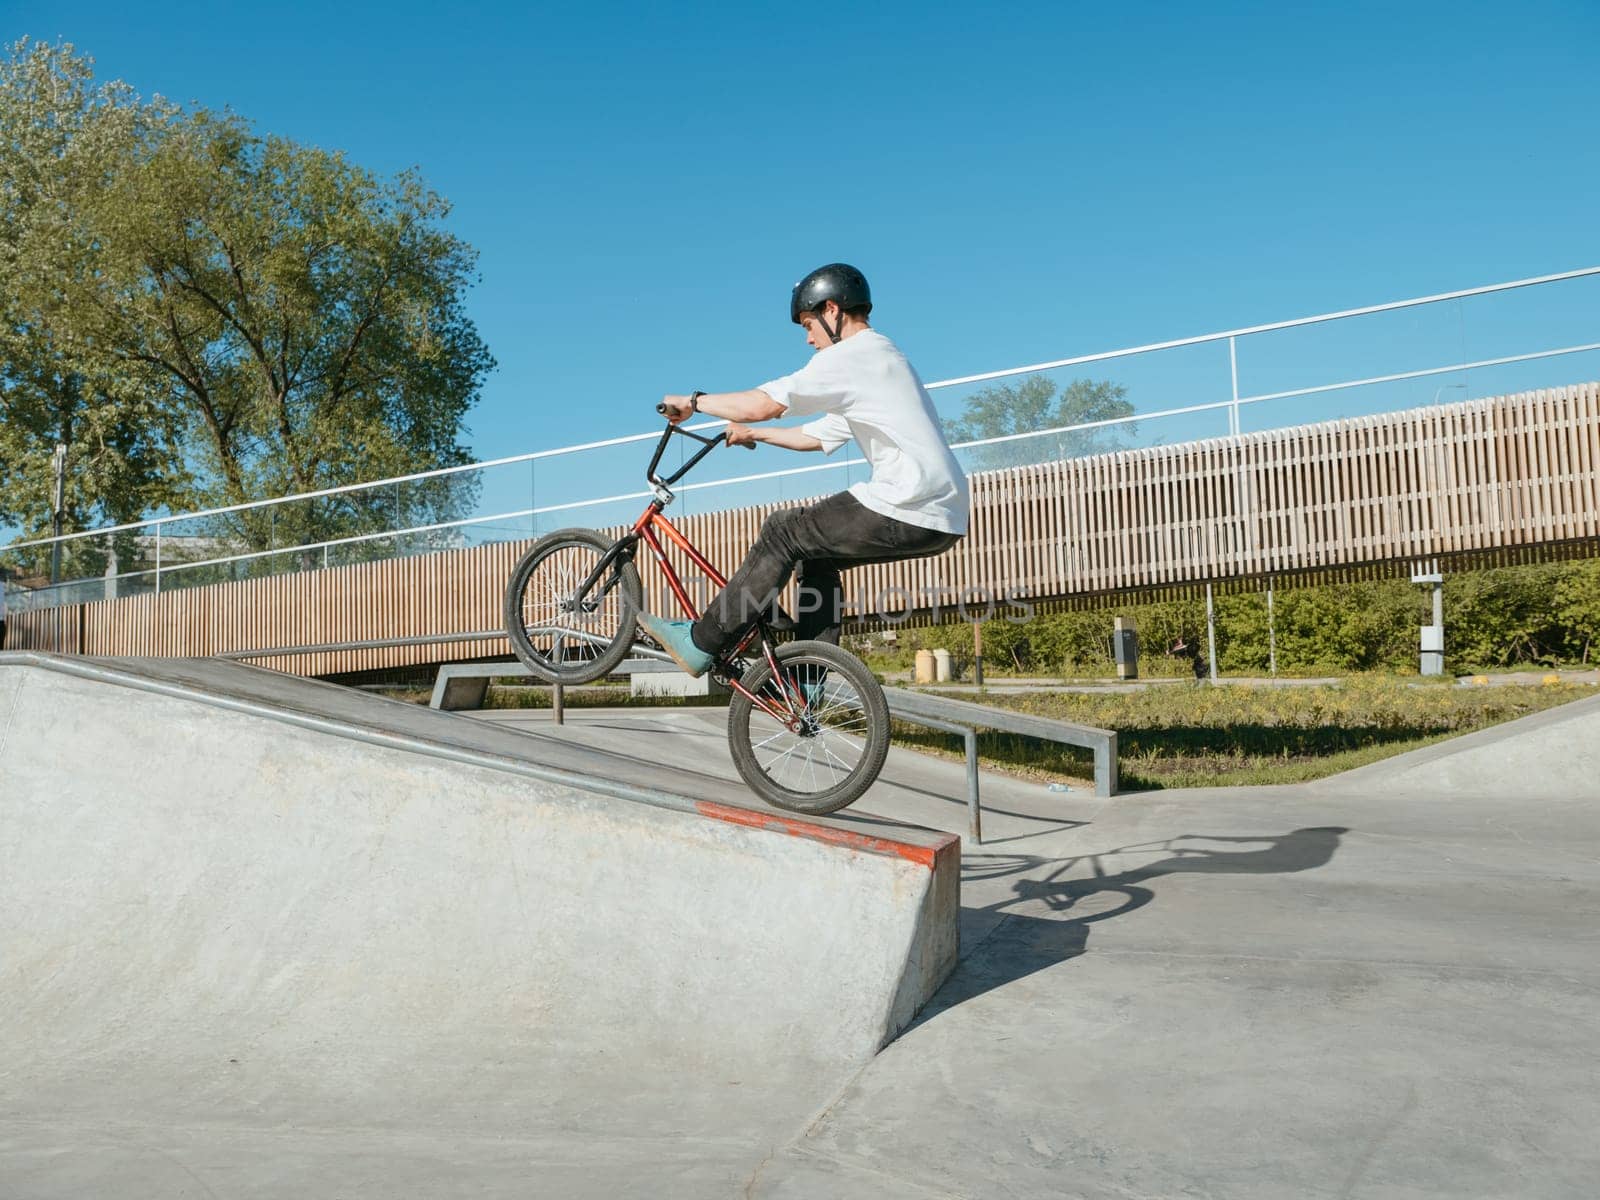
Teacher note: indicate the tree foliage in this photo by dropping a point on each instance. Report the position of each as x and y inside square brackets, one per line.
[60, 134]
[210, 316]
[1577, 601]
[1033, 404]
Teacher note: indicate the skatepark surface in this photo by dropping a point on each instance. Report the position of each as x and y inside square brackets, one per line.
[1385, 984]
[265, 936]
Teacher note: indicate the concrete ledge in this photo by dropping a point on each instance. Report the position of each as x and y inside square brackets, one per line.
[673, 682]
[461, 686]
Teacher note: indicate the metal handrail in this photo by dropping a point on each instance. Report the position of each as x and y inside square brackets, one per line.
[1103, 742]
[1202, 339]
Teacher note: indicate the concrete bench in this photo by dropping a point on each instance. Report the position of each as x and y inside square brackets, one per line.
[464, 685]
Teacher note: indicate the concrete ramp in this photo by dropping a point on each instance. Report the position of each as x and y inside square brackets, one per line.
[263, 936]
[1549, 755]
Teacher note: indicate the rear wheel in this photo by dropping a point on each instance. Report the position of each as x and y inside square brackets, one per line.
[560, 636]
[833, 739]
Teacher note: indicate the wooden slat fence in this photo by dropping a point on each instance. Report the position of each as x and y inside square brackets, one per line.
[1512, 472]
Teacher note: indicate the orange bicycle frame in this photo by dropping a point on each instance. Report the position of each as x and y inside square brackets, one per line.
[645, 527]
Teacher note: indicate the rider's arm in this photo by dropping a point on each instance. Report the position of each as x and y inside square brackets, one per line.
[821, 386]
[754, 405]
[788, 436]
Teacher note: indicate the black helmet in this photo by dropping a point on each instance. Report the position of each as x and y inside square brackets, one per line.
[839, 282]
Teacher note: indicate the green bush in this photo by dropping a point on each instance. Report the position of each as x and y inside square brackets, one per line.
[1540, 615]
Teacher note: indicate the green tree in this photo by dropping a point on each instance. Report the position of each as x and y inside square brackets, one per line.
[304, 316]
[1034, 404]
[61, 134]
[223, 317]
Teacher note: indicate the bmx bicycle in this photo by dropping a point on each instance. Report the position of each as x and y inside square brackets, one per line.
[808, 725]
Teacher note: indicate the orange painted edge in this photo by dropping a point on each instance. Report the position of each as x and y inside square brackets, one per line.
[923, 855]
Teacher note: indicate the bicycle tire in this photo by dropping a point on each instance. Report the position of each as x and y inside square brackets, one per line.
[831, 792]
[570, 554]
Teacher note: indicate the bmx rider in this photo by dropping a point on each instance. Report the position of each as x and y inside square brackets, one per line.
[857, 386]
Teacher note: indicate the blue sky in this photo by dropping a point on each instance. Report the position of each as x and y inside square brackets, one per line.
[645, 182]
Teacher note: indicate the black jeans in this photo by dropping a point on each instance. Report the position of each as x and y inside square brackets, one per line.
[820, 540]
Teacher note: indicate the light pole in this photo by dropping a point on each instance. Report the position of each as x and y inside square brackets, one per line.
[58, 506]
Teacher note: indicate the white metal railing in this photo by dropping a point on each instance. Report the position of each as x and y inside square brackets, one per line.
[1232, 335]
[165, 567]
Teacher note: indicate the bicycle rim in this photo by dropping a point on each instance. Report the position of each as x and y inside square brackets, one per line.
[832, 746]
[563, 637]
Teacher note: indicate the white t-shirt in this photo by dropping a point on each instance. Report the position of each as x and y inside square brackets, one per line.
[863, 388]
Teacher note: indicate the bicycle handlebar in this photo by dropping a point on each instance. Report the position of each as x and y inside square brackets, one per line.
[710, 444]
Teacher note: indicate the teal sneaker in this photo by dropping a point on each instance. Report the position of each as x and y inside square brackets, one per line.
[816, 692]
[812, 686]
[675, 640]
[811, 697]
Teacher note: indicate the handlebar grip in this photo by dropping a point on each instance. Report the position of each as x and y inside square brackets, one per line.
[662, 409]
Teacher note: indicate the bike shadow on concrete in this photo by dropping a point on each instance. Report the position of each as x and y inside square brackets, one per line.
[1077, 893]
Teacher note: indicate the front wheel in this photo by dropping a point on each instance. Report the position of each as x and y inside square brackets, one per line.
[832, 740]
[561, 636]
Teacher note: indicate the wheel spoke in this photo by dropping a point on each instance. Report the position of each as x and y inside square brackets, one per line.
[819, 762]
[770, 740]
[563, 635]
[784, 755]
[847, 767]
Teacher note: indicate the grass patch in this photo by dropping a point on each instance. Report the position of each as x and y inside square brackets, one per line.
[1202, 736]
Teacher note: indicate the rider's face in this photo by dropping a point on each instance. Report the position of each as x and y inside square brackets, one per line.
[816, 336]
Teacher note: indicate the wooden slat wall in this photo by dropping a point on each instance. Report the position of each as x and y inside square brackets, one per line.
[1495, 474]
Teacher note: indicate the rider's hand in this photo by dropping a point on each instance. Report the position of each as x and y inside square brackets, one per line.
[741, 435]
[676, 408]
